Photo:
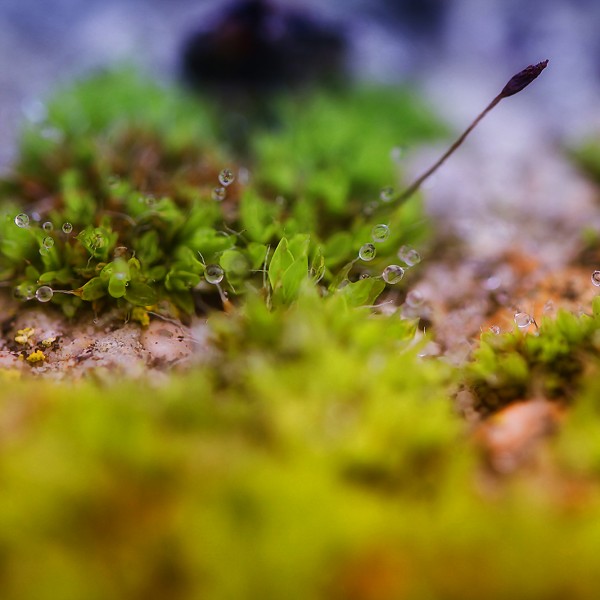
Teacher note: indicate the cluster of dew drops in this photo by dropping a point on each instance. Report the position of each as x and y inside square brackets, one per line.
[226, 178]
[214, 274]
[44, 293]
[394, 273]
[523, 320]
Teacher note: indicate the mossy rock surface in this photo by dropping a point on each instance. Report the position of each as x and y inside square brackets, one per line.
[287, 429]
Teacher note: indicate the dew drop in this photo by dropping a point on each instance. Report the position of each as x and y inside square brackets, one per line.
[67, 228]
[414, 298]
[25, 292]
[495, 329]
[48, 242]
[44, 293]
[393, 274]
[365, 276]
[213, 274]
[387, 194]
[22, 220]
[47, 226]
[596, 278]
[218, 194]
[380, 233]
[98, 241]
[409, 256]
[367, 252]
[226, 177]
[44, 251]
[522, 320]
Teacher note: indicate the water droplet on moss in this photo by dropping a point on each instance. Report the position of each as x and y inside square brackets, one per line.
[44, 293]
[522, 320]
[414, 298]
[495, 329]
[386, 194]
[393, 274]
[213, 274]
[98, 241]
[226, 177]
[218, 194]
[367, 252]
[364, 276]
[47, 226]
[67, 228]
[22, 220]
[48, 242]
[380, 233]
[409, 256]
[25, 291]
[596, 278]
[44, 251]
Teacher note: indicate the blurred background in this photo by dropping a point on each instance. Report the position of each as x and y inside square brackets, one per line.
[459, 53]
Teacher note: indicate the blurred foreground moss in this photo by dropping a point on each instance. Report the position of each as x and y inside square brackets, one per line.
[314, 453]
[315, 456]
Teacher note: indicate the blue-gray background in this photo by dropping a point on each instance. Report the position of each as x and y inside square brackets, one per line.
[459, 51]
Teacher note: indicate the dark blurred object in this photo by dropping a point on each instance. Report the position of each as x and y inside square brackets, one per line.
[422, 18]
[257, 46]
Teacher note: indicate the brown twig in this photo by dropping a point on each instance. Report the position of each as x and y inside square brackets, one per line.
[518, 82]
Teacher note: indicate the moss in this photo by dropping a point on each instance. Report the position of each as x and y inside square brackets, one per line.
[116, 197]
[317, 457]
[314, 453]
[587, 157]
[550, 363]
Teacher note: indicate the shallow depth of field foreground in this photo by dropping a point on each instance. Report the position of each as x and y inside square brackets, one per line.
[238, 363]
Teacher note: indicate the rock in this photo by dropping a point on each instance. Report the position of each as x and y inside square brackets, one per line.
[509, 438]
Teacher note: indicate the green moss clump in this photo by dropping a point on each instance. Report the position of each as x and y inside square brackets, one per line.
[550, 363]
[133, 170]
[316, 456]
[587, 157]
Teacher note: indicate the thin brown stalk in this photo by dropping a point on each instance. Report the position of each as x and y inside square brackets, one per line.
[518, 82]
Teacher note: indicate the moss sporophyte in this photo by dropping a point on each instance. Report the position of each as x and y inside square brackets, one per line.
[516, 83]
